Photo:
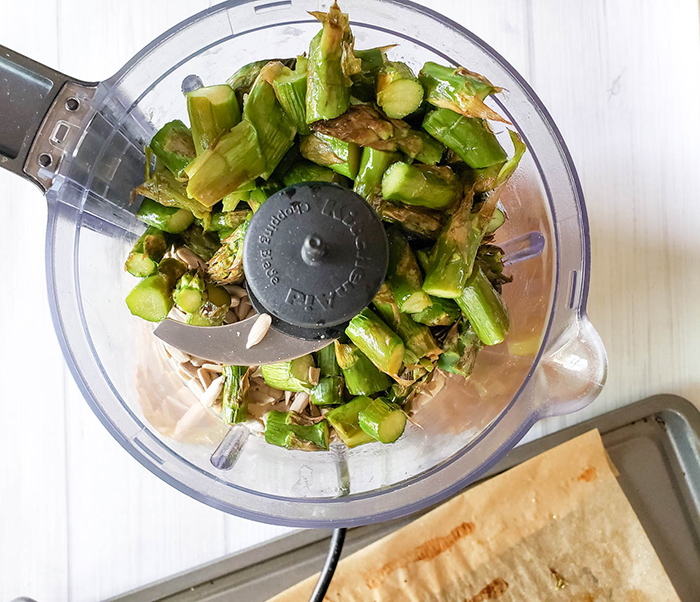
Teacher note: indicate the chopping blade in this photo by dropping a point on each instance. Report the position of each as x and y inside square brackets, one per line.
[227, 344]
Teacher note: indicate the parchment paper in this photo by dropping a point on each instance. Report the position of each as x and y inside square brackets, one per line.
[555, 528]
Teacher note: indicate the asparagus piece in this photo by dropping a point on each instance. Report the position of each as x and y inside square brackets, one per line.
[364, 82]
[490, 258]
[288, 429]
[290, 88]
[422, 221]
[429, 151]
[361, 376]
[403, 274]
[242, 80]
[234, 400]
[213, 311]
[471, 138]
[330, 67]
[424, 185]
[146, 253]
[382, 420]
[227, 220]
[458, 89]
[261, 193]
[417, 338]
[226, 266]
[191, 292]
[485, 179]
[341, 157]
[306, 171]
[459, 350]
[201, 243]
[152, 298]
[213, 111]
[292, 375]
[164, 188]
[497, 220]
[377, 341]
[399, 93]
[328, 391]
[442, 312]
[345, 419]
[484, 308]
[174, 147]
[327, 361]
[368, 183]
[167, 219]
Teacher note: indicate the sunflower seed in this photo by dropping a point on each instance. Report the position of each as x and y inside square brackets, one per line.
[213, 367]
[231, 317]
[301, 400]
[204, 377]
[251, 313]
[194, 262]
[235, 302]
[287, 396]
[243, 309]
[212, 392]
[176, 354]
[196, 388]
[314, 375]
[183, 374]
[259, 330]
[237, 291]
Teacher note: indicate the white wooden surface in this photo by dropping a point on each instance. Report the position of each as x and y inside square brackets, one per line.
[80, 520]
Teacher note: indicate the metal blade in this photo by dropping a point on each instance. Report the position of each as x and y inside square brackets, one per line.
[226, 344]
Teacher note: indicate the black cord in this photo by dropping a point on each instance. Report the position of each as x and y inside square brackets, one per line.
[324, 579]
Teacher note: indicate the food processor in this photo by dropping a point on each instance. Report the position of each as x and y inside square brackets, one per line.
[83, 145]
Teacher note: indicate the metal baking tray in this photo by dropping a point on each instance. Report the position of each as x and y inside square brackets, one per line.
[654, 443]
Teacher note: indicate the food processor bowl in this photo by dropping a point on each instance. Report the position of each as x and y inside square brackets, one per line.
[552, 361]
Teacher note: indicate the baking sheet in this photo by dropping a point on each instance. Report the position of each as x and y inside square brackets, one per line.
[654, 443]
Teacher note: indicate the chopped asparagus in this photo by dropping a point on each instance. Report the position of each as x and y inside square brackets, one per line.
[174, 147]
[399, 93]
[341, 157]
[164, 188]
[327, 361]
[211, 312]
[147, 252]
[442, 312]
[261, 193]
[485, 179]
[422, 221]
[403, 274]
[213, 111]
[227, 220]
[490, 258]
[234, 400]
[429, 151]
[191, 292]
[382, 420]
[458, 89]
[290, 430]
[226, 266]
[306, 171]
[202, 244]
[497, 220]
[242, 80]
[152, 298]
[328, 391]
[484, 308]
[364, 82]
[377, 341]
[368, 183]
[459, 350]
[345, 419]
[425, 185]
[167, 219]
[362, 377]
[290, 88]
[292, 375]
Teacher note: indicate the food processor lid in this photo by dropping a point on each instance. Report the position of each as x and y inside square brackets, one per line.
[314, 256]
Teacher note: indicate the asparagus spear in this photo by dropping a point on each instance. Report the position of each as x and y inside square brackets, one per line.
[290, 430]
[342, 157]
[403, 274]
[152, 298]
[213, 311]
[377, 341]
[484, 308]
[167, 219]
[213, 111]
[459, 350]
[306, 171]
[242, 80]
[424, 185]
[327, 361]
[497, 220]
[261, 193]
[368, 183]
[364, 82]
[469, 137]
[191, 292]
[429, 151]
[227, 220]
[490, 258]
[458, 89]
[382, 420]
[399, 93]
[173, 146]
[201, 243]
[290, 88]
[234, 400]
[331, 66]
[361, 376]
[328, 391]
[345, 420]
[226, 266]
[164, 188]
[442, 312]
[416, 220]
[292, 375]
[146, 253]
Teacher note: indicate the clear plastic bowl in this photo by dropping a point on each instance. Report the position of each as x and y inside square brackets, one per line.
[553, 361]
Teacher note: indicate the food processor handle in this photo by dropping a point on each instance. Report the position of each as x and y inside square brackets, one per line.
[31, 144]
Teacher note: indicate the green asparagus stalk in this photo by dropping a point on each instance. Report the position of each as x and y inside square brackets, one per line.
[341, 157]
[459, 90]
[403, 274]
[377, 341]
[290, 430]
[497, 220]
[306, 171]
[164, 188]
[146, 254]
[485, 179]
[442, 312]
[293, 375]
[213, 311]
[382, 420]
[331, 66]
[426, 149]
[368, 183]
[345, 419]
[459, 350]
[424, 185]
[167, 219]
[226, 266]
[213, 111]
[361, 376]
[242, 80]
[328, 391]
[422, 221]
[174, 147]
[191, 292]
[327, 361]
[202, 244]
[152, 298]
[290, 88]
[423, 258]
[364, 83]
[261, 193]
[399, 93]
[484, 308]
[234, 400]
[227, 220]
[469, 137]
[490, 258]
